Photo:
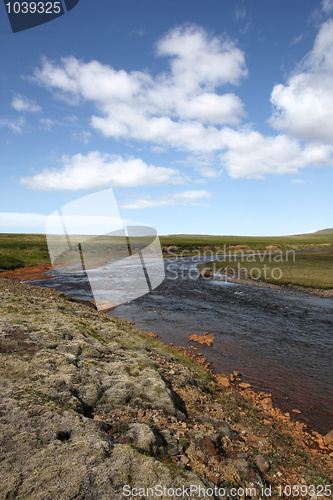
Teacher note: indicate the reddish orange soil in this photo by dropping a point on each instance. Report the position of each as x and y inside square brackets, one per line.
[28, 273]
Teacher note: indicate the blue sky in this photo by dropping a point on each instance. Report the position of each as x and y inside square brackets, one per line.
[206, 118]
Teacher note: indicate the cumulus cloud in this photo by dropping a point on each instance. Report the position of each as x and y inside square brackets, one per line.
[177, 108]
[200, 60]
[304, 106]
[95, 170]
[21, 103]
[212, 108]
[253, 155]
[185, 108]
[185, 198]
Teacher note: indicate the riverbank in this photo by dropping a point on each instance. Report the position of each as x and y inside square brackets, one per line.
[251, 325]
[83, 388]
[41, 271]
[252, 282]
[308, 272]
[29, 273]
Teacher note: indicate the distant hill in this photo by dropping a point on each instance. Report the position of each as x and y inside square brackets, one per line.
[325, 231]
[322, 232]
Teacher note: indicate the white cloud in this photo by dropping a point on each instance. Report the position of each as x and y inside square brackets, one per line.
[208, 172]
[304, 107]
[200, 60]
[176, 108]
[205, 164]
[21, 103]
[95, 171]
[185, 108]
[327, 6]
[185, 198]
[252, 155]
[17, 126]
[213, 108]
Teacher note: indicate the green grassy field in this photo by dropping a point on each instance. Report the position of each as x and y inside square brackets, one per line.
[22, 250]
[314, 269]
[309, 269]
[189, 243]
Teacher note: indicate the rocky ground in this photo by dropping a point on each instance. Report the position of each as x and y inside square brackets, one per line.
[89, 404]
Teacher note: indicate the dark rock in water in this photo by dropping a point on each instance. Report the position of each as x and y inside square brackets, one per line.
[206, 272]
[205, 339]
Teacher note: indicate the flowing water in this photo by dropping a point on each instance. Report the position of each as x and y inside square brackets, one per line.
[280, 340]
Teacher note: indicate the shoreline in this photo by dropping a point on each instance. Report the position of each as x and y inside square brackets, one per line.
[39, 272]
[320, 292]
[235, 384]
[29, 273]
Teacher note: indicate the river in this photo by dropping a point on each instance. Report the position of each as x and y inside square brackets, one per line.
[281, 340]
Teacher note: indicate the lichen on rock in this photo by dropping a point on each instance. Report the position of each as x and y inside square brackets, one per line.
[88, 404]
